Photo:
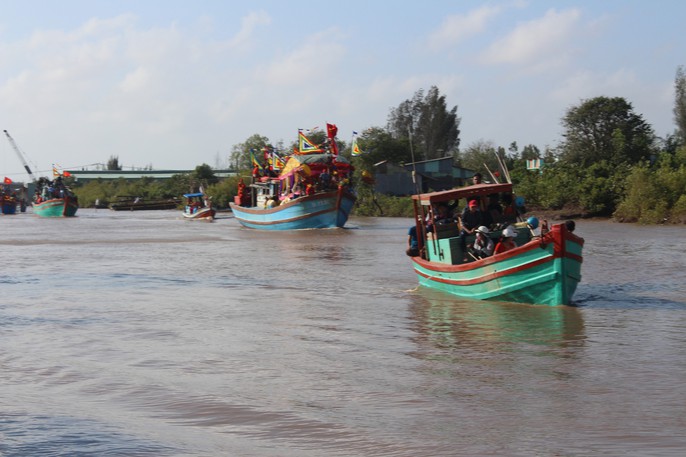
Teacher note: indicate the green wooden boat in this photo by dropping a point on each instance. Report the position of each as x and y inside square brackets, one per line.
[542, 269]
[56, 207]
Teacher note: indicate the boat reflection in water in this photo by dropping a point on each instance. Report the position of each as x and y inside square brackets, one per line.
[445, 321]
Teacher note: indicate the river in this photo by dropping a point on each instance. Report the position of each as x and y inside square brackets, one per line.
[141, 334]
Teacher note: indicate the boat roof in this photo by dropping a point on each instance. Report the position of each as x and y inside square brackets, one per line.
[196, 194]
[462, 192]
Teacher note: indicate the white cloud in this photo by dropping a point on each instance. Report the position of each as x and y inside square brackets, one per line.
[249, 24]
[457, 28]
[548, 37]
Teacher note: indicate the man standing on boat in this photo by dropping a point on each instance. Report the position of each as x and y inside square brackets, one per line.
[471, 219]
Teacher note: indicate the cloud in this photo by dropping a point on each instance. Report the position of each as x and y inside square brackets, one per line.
[548, 37]
[249, 24]
[457, 28]
[317, 59]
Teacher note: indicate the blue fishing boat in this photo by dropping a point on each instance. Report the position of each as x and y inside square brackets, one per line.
[543, 268]
[312, 190]
[321, 210]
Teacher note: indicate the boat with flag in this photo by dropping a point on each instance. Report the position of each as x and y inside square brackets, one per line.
[198, 207]
[51, 198]
[54, 198]
[310, 189]
[542, 267]
[8, 198]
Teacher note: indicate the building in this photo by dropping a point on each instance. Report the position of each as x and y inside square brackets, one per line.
[431, 175]
[84, 176]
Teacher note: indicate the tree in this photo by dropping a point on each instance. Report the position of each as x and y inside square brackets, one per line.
[434, 130]
[605, 128]
[204, 174]
[479, 156]
[680, 103]
[240, 153]
[113, 163]
[379, 145]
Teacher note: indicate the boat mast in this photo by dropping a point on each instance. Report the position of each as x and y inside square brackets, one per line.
[20, 154]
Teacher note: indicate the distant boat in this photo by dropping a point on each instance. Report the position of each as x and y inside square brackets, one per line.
[57, 207]
[8, 203]
[311, 192]
[543, 269]
[54, 199]
[198, 207]
[130, 203]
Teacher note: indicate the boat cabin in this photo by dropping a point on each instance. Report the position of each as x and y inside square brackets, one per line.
[439, 237]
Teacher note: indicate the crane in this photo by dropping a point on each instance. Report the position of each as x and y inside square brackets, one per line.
[21, 156]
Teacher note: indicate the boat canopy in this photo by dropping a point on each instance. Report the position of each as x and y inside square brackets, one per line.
[197, 194]
[312, 164]
[462, 192]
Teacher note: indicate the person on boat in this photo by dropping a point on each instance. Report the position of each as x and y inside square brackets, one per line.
[309, 189]
[471, 219]
[510, 212]
[477, 178]
[483, 245]
[570, 225]
[494, 211]
[412, 242]
[507, 241]
[441, 216]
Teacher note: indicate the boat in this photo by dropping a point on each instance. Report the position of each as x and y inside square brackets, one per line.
[543, 268]
[8, 203]
[131, 203]
[198, 207]
[311, 191]
[54, 199]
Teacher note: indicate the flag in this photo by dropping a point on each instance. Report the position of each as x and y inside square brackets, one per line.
[55, 172]
[8, 180]
[305, 145]
[356, 148]
[331, 131]
[66, 174]
[254, 161]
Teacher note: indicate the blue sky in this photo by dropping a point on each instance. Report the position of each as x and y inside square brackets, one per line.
[174, 84]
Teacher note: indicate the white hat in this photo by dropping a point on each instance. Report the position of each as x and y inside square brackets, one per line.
[510, 232]
[483, 229]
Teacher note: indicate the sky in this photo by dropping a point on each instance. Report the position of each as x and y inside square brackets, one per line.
[174, 84]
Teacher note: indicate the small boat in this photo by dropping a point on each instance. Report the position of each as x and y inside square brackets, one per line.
[544, 267]
[129, 203]
[198, 207]
[54, 199]
[8, 200]
[312, 190]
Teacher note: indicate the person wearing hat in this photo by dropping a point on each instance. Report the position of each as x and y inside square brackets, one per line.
[471, 219]
[507, 241]
[483, 245]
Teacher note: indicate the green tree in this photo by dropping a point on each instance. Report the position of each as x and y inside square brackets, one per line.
[680, 103]
[240, 153]
[113, 163]
[480, 156]
[433, 128]
[605, 128]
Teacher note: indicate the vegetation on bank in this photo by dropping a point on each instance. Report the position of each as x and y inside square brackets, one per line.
[610, 162]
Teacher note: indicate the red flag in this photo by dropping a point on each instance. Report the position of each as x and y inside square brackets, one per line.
[331, 130]
[66, 174]
[8, 180]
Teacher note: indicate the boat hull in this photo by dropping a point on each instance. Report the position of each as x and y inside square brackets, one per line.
[205, 214]
[9, 207]
[324, 210]
[543, 271]
[56, 207]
